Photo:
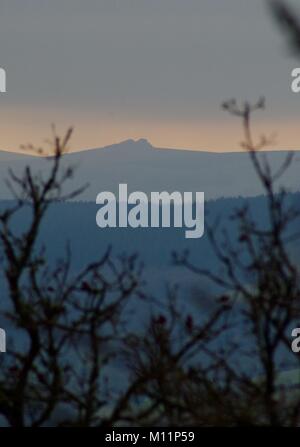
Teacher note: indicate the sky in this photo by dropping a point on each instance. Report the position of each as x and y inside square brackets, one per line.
[154, 69]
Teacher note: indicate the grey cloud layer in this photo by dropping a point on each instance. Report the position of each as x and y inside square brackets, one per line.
[173, 58]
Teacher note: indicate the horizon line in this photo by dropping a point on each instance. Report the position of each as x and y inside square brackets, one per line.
[146, 141]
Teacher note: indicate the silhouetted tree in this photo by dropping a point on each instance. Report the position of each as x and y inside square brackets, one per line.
[228, 366]
[289, 22]
[64, 325]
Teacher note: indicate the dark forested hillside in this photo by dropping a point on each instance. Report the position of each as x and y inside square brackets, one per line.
[74, 224]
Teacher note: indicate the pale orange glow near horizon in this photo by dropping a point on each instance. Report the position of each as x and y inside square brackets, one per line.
[92, 130]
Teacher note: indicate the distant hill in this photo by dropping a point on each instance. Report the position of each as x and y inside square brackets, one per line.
[145, 168]
[6, 156]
